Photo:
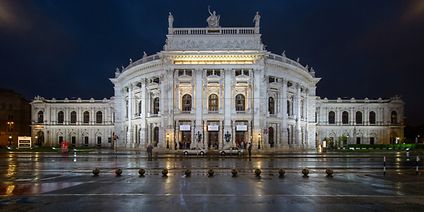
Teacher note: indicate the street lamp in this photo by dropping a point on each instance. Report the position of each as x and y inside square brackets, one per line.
[167, 140]
[259, 141]
[10, 123]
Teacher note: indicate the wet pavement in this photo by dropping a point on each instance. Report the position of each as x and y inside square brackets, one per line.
[51, 182]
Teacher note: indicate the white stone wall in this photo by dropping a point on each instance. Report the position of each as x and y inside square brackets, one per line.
[99, 134]
[384, 131]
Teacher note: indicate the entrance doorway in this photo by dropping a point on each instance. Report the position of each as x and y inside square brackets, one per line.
[271, 137]
[155, 136]
[186, 140]
[213, 140]
[40, 138]
[240, 140]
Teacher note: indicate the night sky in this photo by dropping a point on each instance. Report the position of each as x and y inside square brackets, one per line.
[360, 48]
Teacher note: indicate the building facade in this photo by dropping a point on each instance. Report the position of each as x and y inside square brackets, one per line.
[15, 113]
[79, 122]
[363, 121]
[214, 87]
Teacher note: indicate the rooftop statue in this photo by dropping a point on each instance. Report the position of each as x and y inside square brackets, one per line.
[213, 19]
[170, 20]
[257, 19]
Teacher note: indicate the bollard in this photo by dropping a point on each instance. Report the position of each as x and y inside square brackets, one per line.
[329, 172]
[384, 166]
[187, 173]
[118, 172]
[141, 172]
[96, 172]
[417, 172]
[281, 173]
[305, 172]
[165, 172]
[234, 172]
[258, 172]
[210, 173]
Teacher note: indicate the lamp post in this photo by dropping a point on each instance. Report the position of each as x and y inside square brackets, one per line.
[167, 140]
[259, 141]
[10, 123]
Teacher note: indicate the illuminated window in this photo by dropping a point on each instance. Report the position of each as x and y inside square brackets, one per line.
[213, 103]
[186, 103]
[331, 117]
[240, 102]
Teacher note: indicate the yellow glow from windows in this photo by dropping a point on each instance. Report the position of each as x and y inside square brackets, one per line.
[215, 59]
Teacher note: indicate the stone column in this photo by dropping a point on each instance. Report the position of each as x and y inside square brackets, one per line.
[162, 113]
[258, 80]
[199, 106]
[284, 138]
[143, 113]
[298, 131]
[228, 103]
[129, 117]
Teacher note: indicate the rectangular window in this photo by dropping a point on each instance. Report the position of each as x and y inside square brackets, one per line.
[372, 140]
[73, 140]
[86, 141]
[358, 140]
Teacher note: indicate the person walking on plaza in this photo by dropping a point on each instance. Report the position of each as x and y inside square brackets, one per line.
[249, 149]
[150, 151]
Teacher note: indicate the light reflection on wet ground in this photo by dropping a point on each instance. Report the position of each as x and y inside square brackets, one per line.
[50, 181]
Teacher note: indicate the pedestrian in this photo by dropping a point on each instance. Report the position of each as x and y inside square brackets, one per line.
[249, 149]
[150, 151]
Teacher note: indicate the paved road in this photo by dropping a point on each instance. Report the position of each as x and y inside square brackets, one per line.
[51, 182]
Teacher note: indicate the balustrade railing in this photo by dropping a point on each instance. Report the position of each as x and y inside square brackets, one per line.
[219, 31]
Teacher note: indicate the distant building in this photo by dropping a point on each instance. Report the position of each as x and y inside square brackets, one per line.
[360, 121]
[79, 122]
[15, 117]
[218, 87]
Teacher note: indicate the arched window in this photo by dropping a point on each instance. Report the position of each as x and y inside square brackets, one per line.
[240, 102]
[271, 105]
[331, 117]
[372, 117]
[139, 108]
[358, 117]
[86, 117]
[345, 117]
[186, 103]
[213, 103]
[393, 118]
[156, 105]
[73, 117]
[99, 117]
[60, 117]
[40, 117]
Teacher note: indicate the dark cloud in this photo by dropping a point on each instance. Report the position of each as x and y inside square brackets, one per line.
[360, 48]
